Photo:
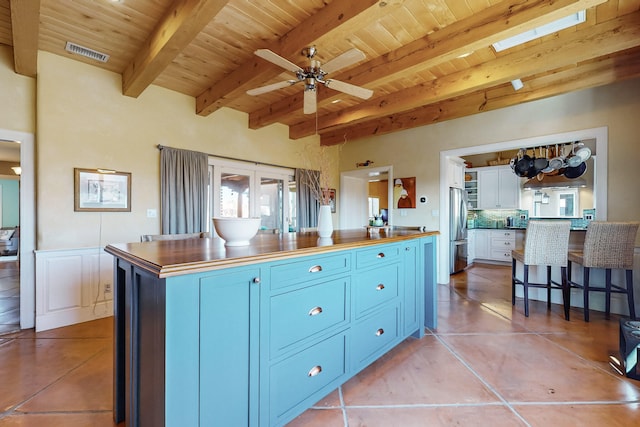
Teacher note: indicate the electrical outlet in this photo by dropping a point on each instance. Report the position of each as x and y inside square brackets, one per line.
[107, 288]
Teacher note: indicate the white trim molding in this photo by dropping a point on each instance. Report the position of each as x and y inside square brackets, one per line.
[72, 286]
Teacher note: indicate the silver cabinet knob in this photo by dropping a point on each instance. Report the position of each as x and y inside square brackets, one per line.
[256, 280]
[314, 371]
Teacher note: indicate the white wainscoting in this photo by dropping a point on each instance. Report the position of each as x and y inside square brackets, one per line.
[70, 286]
[596, 299]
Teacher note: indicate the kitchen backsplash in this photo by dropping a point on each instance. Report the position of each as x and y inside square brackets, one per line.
[518, 217]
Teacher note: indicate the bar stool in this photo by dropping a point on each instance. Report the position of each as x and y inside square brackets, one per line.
[607, 245]
[546, 244]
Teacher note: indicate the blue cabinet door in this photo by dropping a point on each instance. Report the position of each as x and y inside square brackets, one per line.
[229, 315]
[412, 309]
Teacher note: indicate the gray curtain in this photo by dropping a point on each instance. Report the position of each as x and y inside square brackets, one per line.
[308, 206]
[184, 178]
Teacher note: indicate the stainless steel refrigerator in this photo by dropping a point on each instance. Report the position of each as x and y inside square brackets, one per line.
[458, 229]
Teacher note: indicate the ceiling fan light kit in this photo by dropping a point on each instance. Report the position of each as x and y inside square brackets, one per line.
[312, 75]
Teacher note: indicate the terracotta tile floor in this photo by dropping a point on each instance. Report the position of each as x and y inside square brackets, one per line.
[486, 364]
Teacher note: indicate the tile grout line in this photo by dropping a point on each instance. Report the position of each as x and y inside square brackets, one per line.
[12, 410]
[343, 407]
[543, 335]
[482, 380]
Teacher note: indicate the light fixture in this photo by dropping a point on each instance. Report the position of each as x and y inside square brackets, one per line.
[17, 170]
[517, 84]
[543, 30]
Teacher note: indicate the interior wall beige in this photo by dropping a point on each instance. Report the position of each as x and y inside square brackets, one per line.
[84, 121]
[17, 96]
[416, 152]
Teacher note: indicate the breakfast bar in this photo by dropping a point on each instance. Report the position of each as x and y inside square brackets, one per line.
[253, 336]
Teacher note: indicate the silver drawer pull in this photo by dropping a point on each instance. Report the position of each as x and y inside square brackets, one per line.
[314, 371]
[380, 255]
[507, 243]
[380, 287]
[315, 311]
[379, 332]
[315, 269]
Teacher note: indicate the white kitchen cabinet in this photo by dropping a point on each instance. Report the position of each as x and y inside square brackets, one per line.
[493, 245]
[471, 245]
[501, 243]
[481, 244]
[455, 172]
[498, 188]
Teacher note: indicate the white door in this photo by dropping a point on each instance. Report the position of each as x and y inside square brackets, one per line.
[262, 192]
[354, 193]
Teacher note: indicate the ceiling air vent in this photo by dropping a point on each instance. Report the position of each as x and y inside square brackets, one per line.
[85, 51]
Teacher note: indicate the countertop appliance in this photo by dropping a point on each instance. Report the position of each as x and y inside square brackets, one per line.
[457, 229]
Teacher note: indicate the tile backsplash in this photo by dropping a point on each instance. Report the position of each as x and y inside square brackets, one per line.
[520, 217]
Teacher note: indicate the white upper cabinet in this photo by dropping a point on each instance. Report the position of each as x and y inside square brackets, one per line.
[498, 188]
[455, 172]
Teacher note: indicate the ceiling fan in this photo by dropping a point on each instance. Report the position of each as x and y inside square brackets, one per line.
[313, 75]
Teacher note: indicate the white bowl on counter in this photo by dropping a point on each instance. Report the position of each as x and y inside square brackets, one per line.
[236, 231]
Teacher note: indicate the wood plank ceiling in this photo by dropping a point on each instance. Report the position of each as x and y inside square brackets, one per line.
[426, 60]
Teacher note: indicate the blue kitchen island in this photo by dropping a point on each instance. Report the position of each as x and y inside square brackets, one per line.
[253, 336]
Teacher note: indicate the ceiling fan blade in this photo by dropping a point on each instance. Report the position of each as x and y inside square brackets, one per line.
[309, 101]
[348, 88]
[274, 58]
[271, 87]
[349, 57]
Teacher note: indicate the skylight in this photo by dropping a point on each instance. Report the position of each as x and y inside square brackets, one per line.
[552, 27]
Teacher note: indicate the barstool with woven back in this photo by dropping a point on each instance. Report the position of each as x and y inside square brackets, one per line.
[608, 246]
[546, 244]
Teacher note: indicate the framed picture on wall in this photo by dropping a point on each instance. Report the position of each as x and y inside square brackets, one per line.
[404, 193]
[97, 190]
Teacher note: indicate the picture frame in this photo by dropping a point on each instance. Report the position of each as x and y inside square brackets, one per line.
[332, 199]
[404, 193]
[97, 190]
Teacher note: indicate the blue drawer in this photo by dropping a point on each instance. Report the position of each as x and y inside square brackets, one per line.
[302, 313]
[309, 268]
[374, 336]
[375, 287]
[295, 379]
[377, 256]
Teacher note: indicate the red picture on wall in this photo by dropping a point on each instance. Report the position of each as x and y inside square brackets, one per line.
[404, 193]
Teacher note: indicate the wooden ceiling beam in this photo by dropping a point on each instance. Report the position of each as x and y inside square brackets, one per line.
[25, 27]
[493, 24]
[604, 71]
[581, 45]
[256, 71]
[182, 22]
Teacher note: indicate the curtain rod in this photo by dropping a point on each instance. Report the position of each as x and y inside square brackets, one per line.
[160, 147]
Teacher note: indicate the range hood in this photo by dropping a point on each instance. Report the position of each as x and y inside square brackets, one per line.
[553, 181]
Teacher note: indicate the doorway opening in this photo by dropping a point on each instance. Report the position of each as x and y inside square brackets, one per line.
[600, 135]
[17, 272]
[356, 187]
